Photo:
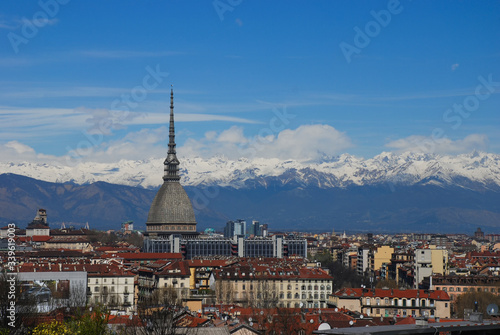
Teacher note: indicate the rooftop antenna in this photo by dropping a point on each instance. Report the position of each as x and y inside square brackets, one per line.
[63, 226]
[87, 226]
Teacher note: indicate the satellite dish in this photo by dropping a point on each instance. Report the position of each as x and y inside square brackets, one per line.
[336, 309]
[361, 316]
[301, 304]
[251, 323]
[261, 312]
[351, 322]
[492, 309]
[250, 319]
[324, 326]
[311, 321]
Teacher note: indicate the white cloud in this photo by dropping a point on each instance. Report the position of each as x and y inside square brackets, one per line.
[444, 145]
[308, 142]
[455, 66]
[16, 152]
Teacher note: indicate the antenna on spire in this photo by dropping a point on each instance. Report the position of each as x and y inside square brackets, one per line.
[171, 163]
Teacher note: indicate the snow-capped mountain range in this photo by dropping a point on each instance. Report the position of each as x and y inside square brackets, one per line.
[467, 170]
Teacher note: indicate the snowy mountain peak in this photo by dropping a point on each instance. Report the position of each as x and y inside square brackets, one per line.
[476, 168]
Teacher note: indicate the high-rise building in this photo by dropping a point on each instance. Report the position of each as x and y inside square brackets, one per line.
[171, 211]
[235, 228]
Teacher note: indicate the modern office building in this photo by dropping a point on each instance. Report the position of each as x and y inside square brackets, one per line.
[277, 246]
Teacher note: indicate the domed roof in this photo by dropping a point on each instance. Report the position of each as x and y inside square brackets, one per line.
[171, 210]
[171, 205]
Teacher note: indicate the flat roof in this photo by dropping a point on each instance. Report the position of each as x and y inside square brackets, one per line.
[431, 328]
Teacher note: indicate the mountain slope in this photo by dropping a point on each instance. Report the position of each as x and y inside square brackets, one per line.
[473, 171]
[284, 206]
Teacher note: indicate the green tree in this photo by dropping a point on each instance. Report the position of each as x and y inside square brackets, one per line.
[467, 301]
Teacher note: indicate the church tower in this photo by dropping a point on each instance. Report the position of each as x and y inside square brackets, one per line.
[171, 211]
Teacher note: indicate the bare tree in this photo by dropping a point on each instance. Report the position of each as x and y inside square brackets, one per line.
[159, 311]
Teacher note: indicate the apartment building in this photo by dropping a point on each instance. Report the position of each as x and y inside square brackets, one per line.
[392, 302]
[264, 285]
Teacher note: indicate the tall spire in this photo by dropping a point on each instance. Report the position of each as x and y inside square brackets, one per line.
[171, 168]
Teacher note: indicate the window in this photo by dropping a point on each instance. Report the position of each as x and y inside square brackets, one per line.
[404, 302]
[386, 301]
[378, 302]
[445, 304]
[465, 289]
[458, 289]
[368, 301]
[289, 295]
[96, 289]
[243, 286]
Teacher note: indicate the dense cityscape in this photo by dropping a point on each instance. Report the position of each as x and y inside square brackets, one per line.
[172, 279]
[249, 167]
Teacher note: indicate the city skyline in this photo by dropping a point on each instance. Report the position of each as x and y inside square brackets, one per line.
[350, 77]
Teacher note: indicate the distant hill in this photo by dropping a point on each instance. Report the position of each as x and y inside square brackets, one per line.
[293, 205]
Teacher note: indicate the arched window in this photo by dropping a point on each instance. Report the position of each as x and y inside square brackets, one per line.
[289, 287]
[289, 295]
[404, 302]
[296, 296]
[303, 287]
[309, 287]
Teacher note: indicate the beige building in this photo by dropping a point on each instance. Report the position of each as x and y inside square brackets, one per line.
[381, 255]
[439, 259]
[268, 287]
[391, 302]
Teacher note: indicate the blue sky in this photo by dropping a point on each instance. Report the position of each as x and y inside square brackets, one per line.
[298, 79]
